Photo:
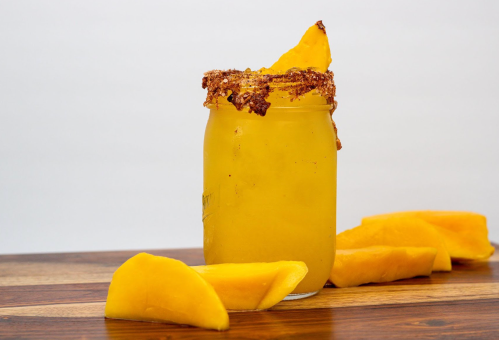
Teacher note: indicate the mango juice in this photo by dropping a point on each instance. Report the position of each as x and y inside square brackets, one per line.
[270, 188]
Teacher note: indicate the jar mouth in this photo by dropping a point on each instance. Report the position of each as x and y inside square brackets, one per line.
[250, 89]
[318, 107]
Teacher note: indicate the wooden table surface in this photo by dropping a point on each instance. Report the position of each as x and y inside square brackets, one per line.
[62, 296]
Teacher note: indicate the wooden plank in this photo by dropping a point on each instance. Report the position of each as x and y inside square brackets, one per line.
[191, 256]
[24, 270]
[63, 310]
[392, 295]
[30, 295]
[42, 296]
[46, 273]
[46, 269]
[327, 298]
[11, 296]
[438, 320]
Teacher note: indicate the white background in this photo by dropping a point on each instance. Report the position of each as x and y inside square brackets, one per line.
[102, 123]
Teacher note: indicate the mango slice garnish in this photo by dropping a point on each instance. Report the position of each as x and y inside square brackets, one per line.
[160, 289]
[311, 52]
[249, 286]
[354, 267]
[397, 232]
[465, 234]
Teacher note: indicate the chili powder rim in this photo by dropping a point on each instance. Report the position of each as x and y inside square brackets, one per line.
[250, 89]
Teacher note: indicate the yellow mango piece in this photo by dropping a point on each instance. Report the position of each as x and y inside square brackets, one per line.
[397, 232]
[312, 51]
[160, 289]
[465, 233]
[353, 267]
[250, 286]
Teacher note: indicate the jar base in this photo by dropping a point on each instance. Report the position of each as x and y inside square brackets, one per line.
[299, 296]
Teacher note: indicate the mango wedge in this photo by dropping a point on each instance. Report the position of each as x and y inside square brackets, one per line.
[465, 233]
[249, 286]
[312, 51]
[159, 289]
[354, 267]
[397, 232]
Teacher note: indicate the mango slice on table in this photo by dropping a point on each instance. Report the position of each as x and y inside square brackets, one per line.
[251, 286]
[160, 289]
[397, 232]
[353, 267]
[312, 51]
[465, 233]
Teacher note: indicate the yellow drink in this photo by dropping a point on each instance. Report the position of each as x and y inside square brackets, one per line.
[270, 186]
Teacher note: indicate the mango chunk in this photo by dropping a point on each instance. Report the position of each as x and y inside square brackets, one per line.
[465, 233]
[249, 286]
[312, 51]
[160, 289]
[353, 267]
[397, 232]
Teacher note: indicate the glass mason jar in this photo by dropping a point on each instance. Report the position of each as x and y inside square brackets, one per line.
[270, 186]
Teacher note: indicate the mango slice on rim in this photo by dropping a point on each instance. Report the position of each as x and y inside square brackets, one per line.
[312, 51]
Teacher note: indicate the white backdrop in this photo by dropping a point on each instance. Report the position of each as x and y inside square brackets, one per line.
[101, 117]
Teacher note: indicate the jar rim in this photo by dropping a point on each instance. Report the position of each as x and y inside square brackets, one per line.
[308, 107]
[251, 88]
[297, 82]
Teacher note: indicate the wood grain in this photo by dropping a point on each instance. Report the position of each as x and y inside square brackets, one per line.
[63, 310]
[327, 298]
[62, 296]
[25, 270]
[45, 269]
[451, 320]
